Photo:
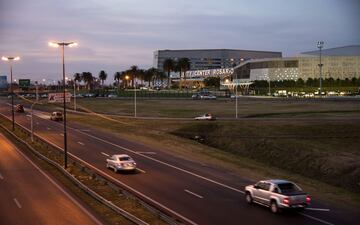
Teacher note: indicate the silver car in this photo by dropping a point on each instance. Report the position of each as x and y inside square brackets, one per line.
[121, 162]
[277, 194]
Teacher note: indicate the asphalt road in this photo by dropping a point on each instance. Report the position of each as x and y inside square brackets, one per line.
[197, 192]
[29, 196]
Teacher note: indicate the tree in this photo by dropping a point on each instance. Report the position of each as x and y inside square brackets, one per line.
[88, 78]
[133, 72]
[117, 78]
[77, 78]
[150, 74]
[102, 77]
[184, 65]
[300, 82]
[168, 66]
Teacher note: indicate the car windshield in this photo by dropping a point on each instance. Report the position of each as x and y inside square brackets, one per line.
[288, 187]
[124, 158]
[58, 113]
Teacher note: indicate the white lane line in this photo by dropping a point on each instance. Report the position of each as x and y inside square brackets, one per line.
[80, 143]
[318, 209]
[61, 134]
[317, 219]
[147, 153]
[48, 128]
[1, 177]
[143, 171]
[107, 155]
[17, 203]
[86, 130]
[192, 193]
[163, 163]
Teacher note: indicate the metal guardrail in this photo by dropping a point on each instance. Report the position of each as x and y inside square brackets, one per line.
[99, 175]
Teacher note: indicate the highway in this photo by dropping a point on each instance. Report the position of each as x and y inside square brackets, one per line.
[196, 192]
[29, 196]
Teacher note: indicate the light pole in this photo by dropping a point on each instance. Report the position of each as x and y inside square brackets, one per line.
[10, 59]
[74, 95]
[135, 96]
[62, 45]
[320, 45]
[236, 97]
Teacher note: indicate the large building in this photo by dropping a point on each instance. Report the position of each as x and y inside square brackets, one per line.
[204, 59]
[342, 63]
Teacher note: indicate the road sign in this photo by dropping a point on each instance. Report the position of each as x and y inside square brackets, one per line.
[59, 97]
[24, 83]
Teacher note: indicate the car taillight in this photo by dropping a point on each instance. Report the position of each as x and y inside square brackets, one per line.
[286, 201]
[308, 199]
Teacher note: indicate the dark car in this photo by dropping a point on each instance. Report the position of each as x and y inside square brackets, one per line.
[19, 108]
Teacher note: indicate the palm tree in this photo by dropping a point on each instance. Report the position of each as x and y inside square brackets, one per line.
[150, 74]
[77, 78]
[133, 72]
[184, 65]
[102, 77]
[168, 66]
[117, 78]
[88, 78]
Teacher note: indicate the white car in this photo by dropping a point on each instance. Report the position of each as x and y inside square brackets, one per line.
[121, 162]
[207, 116]
[112, 96]
[210, 97]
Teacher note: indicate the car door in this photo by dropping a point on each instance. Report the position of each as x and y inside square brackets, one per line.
[264, 193]
[256, 192]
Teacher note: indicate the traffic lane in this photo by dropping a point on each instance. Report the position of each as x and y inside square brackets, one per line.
[29, 197]
[140, 182]
[54, 129]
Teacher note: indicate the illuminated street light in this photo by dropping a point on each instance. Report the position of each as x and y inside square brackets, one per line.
[56, 45]
[10, 59]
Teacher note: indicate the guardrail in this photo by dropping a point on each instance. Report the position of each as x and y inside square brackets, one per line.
[162, 212]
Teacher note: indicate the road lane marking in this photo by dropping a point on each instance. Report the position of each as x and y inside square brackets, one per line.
[80, 143]
[147, 153]
[107, 155]
[1, 177]
[48, 128]
[17, 203]
[143, 171]
[317, 219]
[192, 193]
[61, 134]
[164, 163]
[85, 130]
[318, 209]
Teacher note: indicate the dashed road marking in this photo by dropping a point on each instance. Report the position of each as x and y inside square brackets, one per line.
[147, 153]
[192, 193]
[318, 209]
[1, 177]
[143, 171]
[48, 128]
[80, 143]
[62, 134]
[107, 155]
[317, 219]
[17, 203]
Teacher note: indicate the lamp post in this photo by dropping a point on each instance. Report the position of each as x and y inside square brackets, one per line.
[320, 45]
[10, 59]
[62, 45]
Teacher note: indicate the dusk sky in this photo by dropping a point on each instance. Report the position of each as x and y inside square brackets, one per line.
[115, 34]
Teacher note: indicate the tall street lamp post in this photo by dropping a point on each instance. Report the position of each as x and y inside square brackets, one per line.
[320, 45]
[62, 45]
[10, 59]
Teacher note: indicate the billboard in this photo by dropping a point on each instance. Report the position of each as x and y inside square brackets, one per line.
[58, 97]
[3, 82]
[24, 83]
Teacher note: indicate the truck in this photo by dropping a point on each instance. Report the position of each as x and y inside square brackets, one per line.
[277, 194]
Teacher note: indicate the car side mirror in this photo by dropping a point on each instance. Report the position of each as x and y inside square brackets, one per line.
[255, 186]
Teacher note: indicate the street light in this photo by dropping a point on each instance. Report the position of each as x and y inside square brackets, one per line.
[10, 59]
[320, 45]
[62, 45]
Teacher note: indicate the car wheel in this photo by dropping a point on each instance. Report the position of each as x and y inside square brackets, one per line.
[274, 207]
[248, 198]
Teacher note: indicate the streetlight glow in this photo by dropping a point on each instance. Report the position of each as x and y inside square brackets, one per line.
[74, 44]
[54, 44]
[4, 58]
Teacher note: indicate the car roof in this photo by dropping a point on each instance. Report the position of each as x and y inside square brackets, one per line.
[121, 155]
[277, 181]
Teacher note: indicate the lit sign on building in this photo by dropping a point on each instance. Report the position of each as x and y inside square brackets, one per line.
[207, 73]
